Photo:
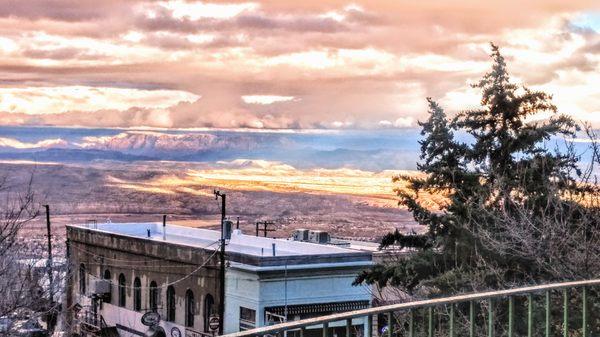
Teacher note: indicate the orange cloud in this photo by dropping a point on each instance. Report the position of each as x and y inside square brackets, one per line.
[344, 64]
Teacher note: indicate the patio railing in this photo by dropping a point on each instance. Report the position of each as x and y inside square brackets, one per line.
[423, 314]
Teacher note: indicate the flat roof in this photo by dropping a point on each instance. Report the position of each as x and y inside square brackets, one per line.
[243, 244]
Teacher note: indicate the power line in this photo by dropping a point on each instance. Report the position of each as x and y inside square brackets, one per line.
[131, 266]
[130, 261]
[162, 286]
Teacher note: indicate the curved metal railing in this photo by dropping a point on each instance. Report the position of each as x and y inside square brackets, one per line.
[409, 307]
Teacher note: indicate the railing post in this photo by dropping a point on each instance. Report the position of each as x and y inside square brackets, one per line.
[548, 313]
[348, 327]
[585, 312]
[471, 319]
[302, 331]
[565, 313]
[530, 315]
[451, 320]
[430, 322]
[325, 327]
[411, 323]
[369, 332]
[511, 316]
[491, 318]
[390, 323]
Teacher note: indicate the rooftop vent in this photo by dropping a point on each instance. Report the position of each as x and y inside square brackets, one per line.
[318, 237]
[300, 235]
[228, 227]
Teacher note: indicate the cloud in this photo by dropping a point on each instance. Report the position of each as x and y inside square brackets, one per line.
[404, 122]
[62, 10]
[265, 99]
[12, 143]
[52, 100]
[191, 63]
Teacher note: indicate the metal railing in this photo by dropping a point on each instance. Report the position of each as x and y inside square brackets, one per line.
[491, 299]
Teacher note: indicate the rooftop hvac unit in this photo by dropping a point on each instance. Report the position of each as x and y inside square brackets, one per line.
[318, 237]
[301, 235]
[100, 287]
[227, 228]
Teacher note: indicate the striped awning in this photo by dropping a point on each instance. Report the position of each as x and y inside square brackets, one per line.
[319, 308]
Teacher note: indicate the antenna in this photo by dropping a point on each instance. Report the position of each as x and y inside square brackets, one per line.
[265, 228]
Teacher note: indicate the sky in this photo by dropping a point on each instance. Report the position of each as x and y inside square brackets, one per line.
[284, 64]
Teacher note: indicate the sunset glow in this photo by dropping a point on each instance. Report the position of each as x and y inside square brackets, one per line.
[282, 64]
[372, 188]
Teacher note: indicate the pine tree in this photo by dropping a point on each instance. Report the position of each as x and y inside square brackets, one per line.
[505, 168]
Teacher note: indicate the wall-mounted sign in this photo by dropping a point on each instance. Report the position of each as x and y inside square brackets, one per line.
[213, 323]
[175, 332]
[151, 318]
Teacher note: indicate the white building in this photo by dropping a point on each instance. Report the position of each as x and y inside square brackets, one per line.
[173, 270]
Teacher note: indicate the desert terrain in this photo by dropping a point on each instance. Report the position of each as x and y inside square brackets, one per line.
[348, 203]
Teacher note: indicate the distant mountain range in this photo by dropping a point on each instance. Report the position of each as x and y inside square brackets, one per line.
[354, 149]
[372, 150]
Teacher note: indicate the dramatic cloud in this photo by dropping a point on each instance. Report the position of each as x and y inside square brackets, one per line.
[11, 143]
[50, 100]
[283, 64]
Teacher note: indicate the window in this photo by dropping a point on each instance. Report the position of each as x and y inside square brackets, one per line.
[122, 294]
[153, 296]
[171, 304]
[106, 276]
[209, 304]
[189, 308]
[247, 319]
[82, 279]
[137, 294]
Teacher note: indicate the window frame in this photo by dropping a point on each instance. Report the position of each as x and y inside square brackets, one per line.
[190, 304]
[122, 294]
[171, 304]
[82, 280]
[108, 276]
[208, 305]
[248, 321]
[137, 294]
[153, 296]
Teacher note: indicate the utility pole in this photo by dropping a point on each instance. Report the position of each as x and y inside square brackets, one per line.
[222, 258]
[49, 267]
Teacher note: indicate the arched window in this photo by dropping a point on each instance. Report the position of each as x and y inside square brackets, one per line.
[137, 294]
[189, 308]
[122, 294]
[153, 296]
[171, 304]
[209, 304]
[106, 276]
[82, 279]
